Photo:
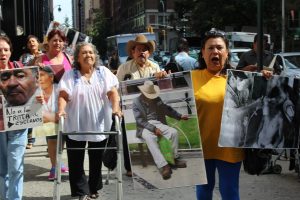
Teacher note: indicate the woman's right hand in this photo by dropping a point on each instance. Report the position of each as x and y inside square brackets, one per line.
[61, 114]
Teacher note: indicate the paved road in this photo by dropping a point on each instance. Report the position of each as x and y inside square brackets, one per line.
[285, 186]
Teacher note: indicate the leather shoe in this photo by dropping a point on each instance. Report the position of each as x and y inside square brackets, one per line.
[129, 173]
[179, 163]
[166, 172]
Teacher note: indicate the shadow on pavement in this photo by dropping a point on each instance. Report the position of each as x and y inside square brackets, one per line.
[63, 197]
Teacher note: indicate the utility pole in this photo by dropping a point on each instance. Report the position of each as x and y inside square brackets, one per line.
[260, 35]
[79, 14]
[164, 25]
[282, 26]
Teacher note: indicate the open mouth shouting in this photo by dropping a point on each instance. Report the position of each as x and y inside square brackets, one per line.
[215, 60]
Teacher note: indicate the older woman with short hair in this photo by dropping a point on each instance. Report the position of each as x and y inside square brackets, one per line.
[87, 97]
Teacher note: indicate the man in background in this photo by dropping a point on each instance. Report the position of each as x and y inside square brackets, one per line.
[183, 60]
[248, 60]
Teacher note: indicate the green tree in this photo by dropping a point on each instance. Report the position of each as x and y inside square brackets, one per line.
[205, 14]
[219, 14]
[99, 31]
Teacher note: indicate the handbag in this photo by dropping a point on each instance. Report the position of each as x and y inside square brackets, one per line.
[256, 160]
[109, 157]
[166, 149]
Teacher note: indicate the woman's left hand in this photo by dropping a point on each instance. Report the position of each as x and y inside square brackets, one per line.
[118, 113]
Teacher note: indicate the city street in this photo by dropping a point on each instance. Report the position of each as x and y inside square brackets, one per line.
[284, 186]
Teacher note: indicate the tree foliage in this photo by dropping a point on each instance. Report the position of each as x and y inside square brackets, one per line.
[99, 31]
[205, 14]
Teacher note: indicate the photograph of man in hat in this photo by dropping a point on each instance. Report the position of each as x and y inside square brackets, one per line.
[150, 114]
[139, 66]
[19, 86]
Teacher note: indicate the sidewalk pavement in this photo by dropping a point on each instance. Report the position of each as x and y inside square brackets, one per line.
[284, 186]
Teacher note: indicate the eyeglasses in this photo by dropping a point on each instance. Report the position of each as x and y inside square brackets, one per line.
[215, 32]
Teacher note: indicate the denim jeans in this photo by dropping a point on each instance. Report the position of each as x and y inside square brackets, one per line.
[12, 149]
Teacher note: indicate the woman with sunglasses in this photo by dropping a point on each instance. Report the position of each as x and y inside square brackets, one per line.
[209, 88]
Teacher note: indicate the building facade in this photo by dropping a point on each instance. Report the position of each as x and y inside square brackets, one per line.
[21, 18]
[137, 16]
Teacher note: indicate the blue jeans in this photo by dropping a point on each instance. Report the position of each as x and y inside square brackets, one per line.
[229, 174]
[12, 149]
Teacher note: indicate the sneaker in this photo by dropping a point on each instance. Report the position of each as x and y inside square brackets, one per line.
[51, 176]
[64, 169]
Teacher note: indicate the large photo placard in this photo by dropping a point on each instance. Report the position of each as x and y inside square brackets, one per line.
[260, 112]
[20, 108]
[163, 111]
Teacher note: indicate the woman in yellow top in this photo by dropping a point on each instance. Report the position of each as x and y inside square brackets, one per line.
[209, 88]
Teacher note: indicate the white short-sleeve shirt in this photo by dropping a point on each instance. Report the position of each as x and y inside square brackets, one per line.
[88, 108]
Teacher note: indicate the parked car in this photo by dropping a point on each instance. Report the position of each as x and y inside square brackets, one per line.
[289, 63]
[235, 55]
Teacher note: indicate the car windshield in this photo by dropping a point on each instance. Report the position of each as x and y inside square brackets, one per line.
[292, 62]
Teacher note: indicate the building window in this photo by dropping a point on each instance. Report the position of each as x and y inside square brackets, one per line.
[160, 19]
[152, 19]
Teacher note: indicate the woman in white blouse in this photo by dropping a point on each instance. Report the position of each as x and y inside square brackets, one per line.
[88, 97]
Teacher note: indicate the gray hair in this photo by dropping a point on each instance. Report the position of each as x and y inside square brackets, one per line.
[76, 64]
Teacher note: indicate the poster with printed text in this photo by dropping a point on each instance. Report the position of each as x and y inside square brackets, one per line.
[20, 107]
[163, 111]
[260, 112]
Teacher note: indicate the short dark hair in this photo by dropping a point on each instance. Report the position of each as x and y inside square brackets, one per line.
[183, 47]
[214, 34]
[265, 38]
[8, 41]
[32, 36]
[54, 32]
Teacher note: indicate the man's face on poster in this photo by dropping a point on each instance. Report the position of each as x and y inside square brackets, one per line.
[18, 85]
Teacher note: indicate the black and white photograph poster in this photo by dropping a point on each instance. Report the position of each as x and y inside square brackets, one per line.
[162, 132]
[260, 112]
[20, 107]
